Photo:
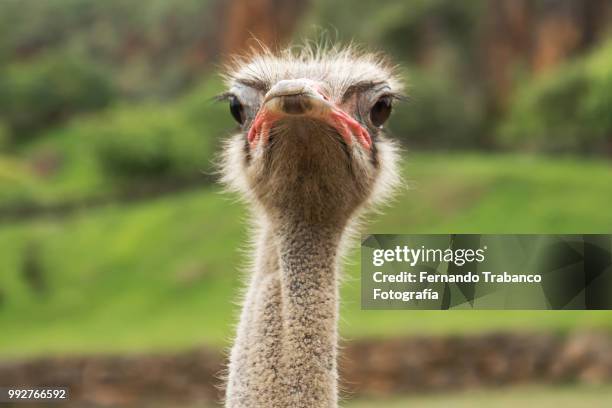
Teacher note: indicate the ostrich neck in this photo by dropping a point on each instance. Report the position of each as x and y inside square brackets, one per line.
[285, 353]
[309, 292]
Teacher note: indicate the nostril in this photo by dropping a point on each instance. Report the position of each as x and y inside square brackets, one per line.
[295, 104]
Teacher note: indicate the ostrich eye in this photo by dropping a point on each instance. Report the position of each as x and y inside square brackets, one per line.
[380, 111]
[236, 109]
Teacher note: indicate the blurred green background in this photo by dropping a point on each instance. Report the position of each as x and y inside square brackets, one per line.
[114, 236]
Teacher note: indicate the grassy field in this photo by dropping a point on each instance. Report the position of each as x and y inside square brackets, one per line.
[163, 274]
[542, 397]
[532, 396]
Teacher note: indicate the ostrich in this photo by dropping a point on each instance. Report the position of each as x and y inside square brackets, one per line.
[310, 157]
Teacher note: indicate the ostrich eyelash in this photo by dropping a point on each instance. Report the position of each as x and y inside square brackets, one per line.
[367, 85]
[396, 96]
[223, 97]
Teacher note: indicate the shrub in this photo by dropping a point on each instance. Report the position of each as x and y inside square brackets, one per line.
[4, 137]
[48, 90]
[150, 142]
[438, 113]
[567, 110]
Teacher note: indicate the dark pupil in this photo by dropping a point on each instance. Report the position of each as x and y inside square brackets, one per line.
[236, 110]
[380, 111]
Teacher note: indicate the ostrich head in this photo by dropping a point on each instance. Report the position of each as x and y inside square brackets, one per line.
[312, 144]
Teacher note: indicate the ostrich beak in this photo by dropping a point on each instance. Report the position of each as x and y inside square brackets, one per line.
[296, 97]
[303, 97]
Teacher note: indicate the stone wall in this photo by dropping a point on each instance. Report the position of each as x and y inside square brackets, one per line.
[373, 367]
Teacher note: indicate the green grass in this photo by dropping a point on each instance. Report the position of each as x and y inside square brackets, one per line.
[163, 275]
[75, 174]
[542, 397]
[512, 397]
